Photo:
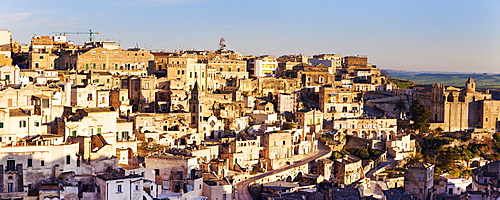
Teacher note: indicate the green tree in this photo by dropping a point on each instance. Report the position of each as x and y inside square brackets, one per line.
[400, 106]
[336, 155]
[420, 115]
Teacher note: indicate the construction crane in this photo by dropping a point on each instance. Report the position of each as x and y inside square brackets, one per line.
[90, 33]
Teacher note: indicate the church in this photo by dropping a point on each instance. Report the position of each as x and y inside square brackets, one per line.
[459, 109]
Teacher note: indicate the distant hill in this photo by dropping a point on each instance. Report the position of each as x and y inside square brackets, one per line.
[483, 80]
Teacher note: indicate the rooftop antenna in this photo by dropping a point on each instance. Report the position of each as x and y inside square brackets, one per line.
[222, 43]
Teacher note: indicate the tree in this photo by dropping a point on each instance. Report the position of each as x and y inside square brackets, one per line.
[420, 115]
[400, 106]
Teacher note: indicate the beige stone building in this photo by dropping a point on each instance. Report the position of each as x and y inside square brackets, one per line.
[44, 51]
[105, 56]
[243, 152]
[419, 180]
[10, 74]
[309, 75]
[401, 147]
[178, 176]
[455, 109]
[26, 164]
[309, 120]
[278, 147]
[347, 170]
[216, 188]
[340, 102]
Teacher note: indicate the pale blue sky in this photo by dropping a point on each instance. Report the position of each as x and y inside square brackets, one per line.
[438, 35]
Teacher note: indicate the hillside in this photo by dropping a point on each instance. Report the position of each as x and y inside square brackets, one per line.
[483, 81]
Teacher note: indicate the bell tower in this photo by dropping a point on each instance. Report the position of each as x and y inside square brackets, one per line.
[470, 85]
[195, 108]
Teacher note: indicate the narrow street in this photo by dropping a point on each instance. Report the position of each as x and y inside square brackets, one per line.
[241, 188]
[377, 187]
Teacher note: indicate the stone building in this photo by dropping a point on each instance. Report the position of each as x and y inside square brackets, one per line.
[332, 61]
[419, 181]
[5, 47]
[105, 56]
[178, 176]
[455, 109]
[309, 75]
[277, 145]
[243, 152]
[118, 186]
[27, 164]
[309, 120]
[368, 128]
[44, 51]
[347, 170]
[10, 74]
[216, 188]
[340, 102]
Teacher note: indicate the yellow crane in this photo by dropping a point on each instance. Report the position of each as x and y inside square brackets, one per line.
[90, 33]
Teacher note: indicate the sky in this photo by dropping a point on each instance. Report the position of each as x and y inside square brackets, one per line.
[415, 35]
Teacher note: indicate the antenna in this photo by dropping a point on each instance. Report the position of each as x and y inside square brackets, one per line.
[222, 43]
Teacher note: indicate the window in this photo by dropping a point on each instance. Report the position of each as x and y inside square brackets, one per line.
[125, 135]
[136, 187]
[30, 162]
[86, 66]
[104, 53]
[73, 133]
[120, 189]
[37, 65]
[68, 159]
[157, 172]
[41, 57]
[89, 97]
[94, 65]
[42, 163]
[123, 98]
[10, 187]
[116, 66]
[99, 130]
[421, 177]
[45, 103]
[22, 124]
[11, 165]
[190, 74]
[103, 65]
[93, 52]
[165, 185]
[37, 124]
[1, 124]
